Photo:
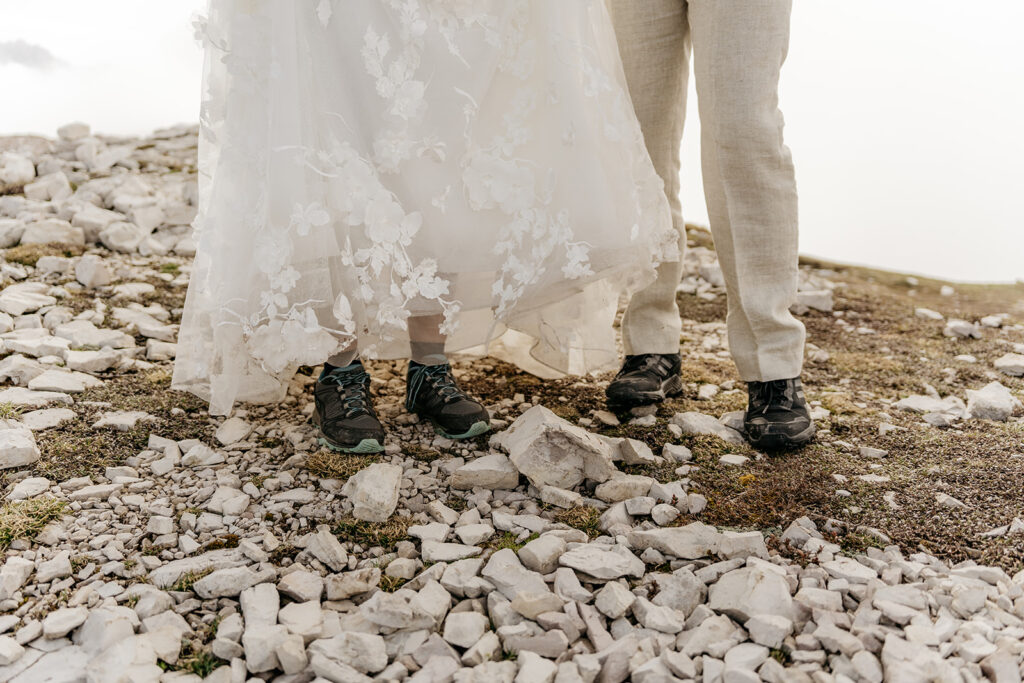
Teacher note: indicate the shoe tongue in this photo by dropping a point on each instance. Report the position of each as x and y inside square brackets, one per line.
[335, 375]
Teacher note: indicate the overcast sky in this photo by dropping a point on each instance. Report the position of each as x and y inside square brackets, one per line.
[904, 117]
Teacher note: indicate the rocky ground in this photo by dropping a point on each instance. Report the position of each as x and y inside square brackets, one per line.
[145, 541]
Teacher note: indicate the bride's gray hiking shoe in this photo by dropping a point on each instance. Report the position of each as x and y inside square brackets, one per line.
[777, 416]
[432, 394]
[344, 411]
[645, 379]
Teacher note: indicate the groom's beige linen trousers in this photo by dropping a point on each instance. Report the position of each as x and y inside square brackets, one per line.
[738, 49]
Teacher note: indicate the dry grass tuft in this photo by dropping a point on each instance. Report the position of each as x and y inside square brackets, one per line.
[330, 465]
[24, 519]
[29, 254]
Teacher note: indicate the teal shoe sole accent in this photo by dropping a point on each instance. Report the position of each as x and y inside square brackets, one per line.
[365, 447]
[477, 429]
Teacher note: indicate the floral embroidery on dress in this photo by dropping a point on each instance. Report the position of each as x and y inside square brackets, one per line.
[339, 137]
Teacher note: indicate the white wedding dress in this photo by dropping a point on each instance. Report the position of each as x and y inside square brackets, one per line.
[367, 161]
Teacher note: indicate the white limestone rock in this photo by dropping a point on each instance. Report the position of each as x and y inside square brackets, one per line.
[91, 361]
[621, 487]
[614, 600]
[26, 398]
[472, 534]
[49, 188]
[535, 669]
[260, 642]
[992, 402]
[13, 575]
[850, 570]
[16, 169]
[553, 452]
[676, 453]
[52, 230]
[735, 544]
[541, 554]
[63, 381]
[28, 487]
[10, 651]
[94, 219]
[493, 471]
[769, 630]
[57, 567]
[464, 629]
[233, 430]
[664, 514]
[751, 591]
[20, 369]
[374, 492]
[301, 585]
[364, 652]
[83, 333]
[157, 350]
[657, 617]
[166, 575]
[1011, 364]
[10, 232]
[38, 344]
[324, 546]
[928, 314]
[92, 271]
[60, 622]
[25, 297]
[690, 542]
[145, 324]
[819, 300]
[432, 551]
[509, 576]
[552, 495]
[121, 236]
[201, 455]
[74, 131]
[260, 604]
[602, 561]
[123, 420]
[395, 610]
[227, 582]
[17, 448]
[699, 423]
[962, 329]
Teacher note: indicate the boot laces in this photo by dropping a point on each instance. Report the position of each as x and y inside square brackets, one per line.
[436, 377]
[768, 395]
[643, 362]
[352, 385]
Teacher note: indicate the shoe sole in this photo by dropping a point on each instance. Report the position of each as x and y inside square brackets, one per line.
[778, 442]
[477, 429]
[673, 386]
[364, 447]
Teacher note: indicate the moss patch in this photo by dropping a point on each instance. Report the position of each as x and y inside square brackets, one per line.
[77, 449]
[582, 517]
[506, 539]
[373, 534]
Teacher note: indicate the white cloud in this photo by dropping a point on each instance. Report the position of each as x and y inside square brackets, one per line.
[27, 54]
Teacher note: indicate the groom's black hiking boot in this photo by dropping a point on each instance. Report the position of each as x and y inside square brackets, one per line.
[645, 379]
[344, 411]
[431, 393]
[777, 415]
